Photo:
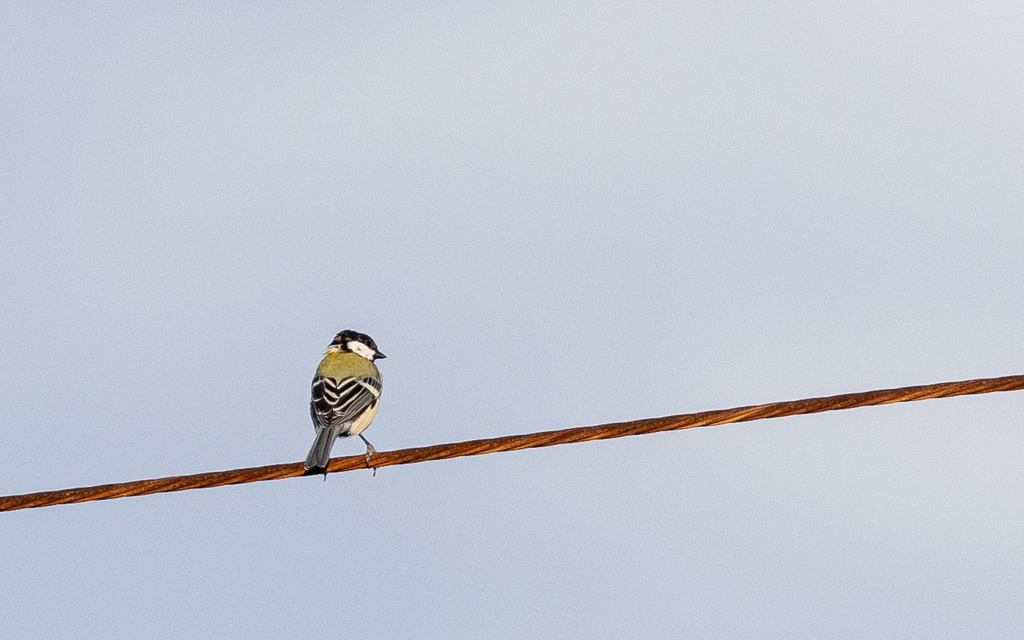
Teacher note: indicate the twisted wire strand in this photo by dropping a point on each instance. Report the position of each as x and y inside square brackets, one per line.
[515, 443]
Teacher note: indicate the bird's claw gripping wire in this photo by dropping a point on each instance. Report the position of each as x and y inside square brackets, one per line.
[370, 451]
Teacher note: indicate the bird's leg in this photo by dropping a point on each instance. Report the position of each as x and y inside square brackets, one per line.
[369, 453]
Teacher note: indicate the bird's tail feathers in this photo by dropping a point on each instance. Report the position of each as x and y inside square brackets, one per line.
[320, 452]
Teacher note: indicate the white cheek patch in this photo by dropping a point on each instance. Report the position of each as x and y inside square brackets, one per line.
[361, 349]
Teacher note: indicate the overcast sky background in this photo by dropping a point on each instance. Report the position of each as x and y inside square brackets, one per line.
[547, 215]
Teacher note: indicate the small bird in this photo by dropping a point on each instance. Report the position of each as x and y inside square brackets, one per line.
[345, 395]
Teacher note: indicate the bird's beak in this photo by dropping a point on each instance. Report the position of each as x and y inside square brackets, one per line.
[379, 356]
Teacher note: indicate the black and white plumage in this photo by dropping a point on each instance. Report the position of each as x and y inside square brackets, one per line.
[345, 395]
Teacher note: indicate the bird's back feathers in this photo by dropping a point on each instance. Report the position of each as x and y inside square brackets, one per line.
[335, 402]
[343, 364]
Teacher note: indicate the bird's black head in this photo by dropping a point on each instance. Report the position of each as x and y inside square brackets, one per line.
[358, 343]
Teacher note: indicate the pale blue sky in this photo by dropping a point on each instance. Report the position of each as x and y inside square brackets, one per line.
[547, 215]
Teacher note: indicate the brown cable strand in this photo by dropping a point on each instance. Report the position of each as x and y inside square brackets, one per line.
[514, 443]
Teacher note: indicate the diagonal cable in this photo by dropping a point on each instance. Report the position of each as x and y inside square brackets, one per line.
[514, 443]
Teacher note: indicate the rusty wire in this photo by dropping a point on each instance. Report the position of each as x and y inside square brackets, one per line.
[513, 443]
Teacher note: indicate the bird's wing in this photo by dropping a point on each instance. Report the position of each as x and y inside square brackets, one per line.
[336, 402]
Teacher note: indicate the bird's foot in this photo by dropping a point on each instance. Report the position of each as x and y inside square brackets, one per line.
[369, 454]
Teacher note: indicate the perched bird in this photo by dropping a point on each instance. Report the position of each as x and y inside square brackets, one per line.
[345, 395]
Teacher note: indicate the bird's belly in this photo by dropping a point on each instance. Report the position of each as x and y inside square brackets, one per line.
[363, 421]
